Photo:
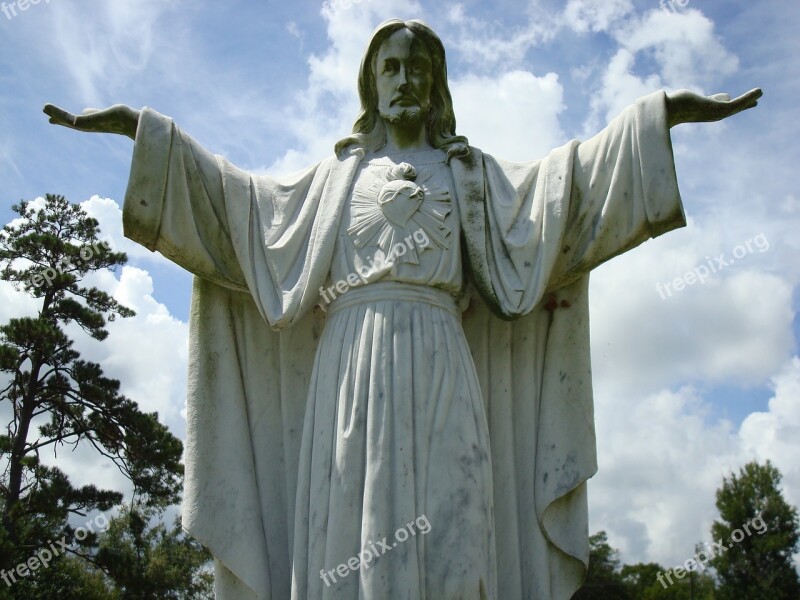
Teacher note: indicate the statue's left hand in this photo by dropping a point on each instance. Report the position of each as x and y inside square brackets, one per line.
[684, 106]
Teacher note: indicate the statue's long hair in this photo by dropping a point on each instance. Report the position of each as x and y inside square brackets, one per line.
[369, 131]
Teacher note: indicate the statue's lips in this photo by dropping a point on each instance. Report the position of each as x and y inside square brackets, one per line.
[405, 101]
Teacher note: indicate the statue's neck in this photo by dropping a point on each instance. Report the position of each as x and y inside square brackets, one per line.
[406, 138]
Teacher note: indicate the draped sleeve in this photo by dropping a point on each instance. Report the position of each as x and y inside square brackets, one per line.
[533, 227]
[270, 237]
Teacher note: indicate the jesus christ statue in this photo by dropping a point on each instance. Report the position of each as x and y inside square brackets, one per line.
[429, 434]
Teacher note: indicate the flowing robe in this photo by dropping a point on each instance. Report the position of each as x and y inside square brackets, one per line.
[262, 248]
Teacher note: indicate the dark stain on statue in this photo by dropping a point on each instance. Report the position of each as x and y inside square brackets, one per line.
[552, 302]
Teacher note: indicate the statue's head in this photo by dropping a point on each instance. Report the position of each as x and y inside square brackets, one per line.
[428, 99]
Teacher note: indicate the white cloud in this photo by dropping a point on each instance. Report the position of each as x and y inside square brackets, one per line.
[684, 45]
[488, 46]
[589, 15]
[295, 32]
[660, 463]
[735, 327]
[148, 352]
[98, 64]
[681, 50]
[513, 115]
[774, 434]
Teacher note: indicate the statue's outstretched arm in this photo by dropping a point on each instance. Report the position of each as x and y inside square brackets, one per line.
[684, 106]
[119, 119]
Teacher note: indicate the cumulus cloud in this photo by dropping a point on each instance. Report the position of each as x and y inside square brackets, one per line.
[773, 434]
[619, 87]
[487, 45]
[660, 463]
[590, 16]
[659, 49]
[147, 353]
[685, 46]
[523, 121]
[733, 326]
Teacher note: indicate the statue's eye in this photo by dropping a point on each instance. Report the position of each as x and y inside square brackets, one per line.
[390, 66]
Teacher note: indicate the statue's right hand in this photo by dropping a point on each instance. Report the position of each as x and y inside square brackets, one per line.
[119, 119]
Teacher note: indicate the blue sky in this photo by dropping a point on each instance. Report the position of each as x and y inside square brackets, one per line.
[688, 386]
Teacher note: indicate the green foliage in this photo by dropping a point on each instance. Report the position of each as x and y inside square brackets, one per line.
[760, 565]
[67, 578]
[641, 579]
[153, 562]
[55, 398]
[603, 579]
[651, 581]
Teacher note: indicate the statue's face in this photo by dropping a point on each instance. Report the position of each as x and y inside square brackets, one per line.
[404, 76]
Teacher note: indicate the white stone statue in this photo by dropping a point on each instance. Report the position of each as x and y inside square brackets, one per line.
[390, 389]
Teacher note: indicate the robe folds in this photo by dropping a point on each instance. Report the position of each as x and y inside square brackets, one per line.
[261, 249]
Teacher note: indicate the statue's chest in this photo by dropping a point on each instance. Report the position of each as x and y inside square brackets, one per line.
[395, 203]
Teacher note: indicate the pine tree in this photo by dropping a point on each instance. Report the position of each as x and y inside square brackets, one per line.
[55, 398]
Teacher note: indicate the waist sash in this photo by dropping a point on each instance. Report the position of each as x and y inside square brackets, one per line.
[395, 291]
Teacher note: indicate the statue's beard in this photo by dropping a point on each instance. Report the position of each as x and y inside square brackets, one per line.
[411, 116]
